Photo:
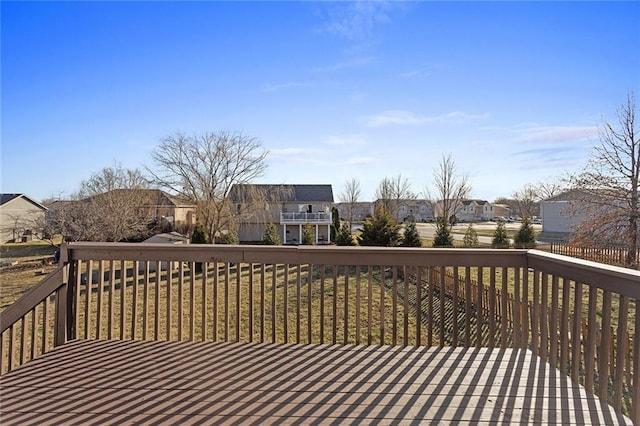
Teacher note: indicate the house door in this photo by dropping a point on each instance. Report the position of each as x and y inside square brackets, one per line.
[309, 209]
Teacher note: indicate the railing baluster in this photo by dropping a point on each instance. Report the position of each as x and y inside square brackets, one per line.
[34, 330]
[112, 278]
[370, 302]
[590, 344]
[192, 302]
[180, 300]
[492, 307]
[441, 297]
[45, 325]
[405, 305]
[134, 308]
[504, 313]
[467, 307]
[535, 317]
[605, 343]
[309, 304]
[215, 299]
[418, 308]
[358, 310]
[169, 299]
[123, 298]
[273, 303]
[576, 337]
[238, 318]
[250, 298]
[456, 305]
[262, 304]
[100, 299]
[553, 329]
[203, 302]
[12, 344]
[156, 307]
[621, 351]
[334, 306]
[23, 340]
[517, 324]
[87, 306]
[479, 307]
[382, 299]
[564, 328]
[285, 304]
[226, 302]
[635, 391]
[394, 306]
[346, 305]
[524, 305]
[544, 321]
[145, 302]
[298, 307]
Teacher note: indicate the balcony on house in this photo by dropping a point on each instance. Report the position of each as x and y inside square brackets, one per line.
[302, 218]
[272, 335]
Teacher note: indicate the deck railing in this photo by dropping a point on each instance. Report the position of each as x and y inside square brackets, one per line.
[580, 316]
[302, 218]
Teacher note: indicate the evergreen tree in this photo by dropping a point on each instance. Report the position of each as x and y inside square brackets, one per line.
[443, 236]
[411, 237]
[381, 229]
[525, 234]
[228, 237]
[344, 236]
[500, 238]
[307, 235]
[199, 235]
[471, 237]
[271, 236]
[335, 227]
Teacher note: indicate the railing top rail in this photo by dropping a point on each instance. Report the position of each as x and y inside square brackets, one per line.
[31, 298]
[612, 278]
[318, 255]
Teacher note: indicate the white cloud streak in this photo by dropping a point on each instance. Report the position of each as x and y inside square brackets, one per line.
[404, 118]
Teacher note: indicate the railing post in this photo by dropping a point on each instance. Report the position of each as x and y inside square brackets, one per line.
[71, 278]
[60, 331]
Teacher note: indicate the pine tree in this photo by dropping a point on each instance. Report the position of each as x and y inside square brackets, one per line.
[500, 238]
[471, 237]
[443, 236]
[199, 235]
[381, 229]
[411, 237]
[335, 227]
[525, 234]
[228, 237]
[271, 236]
[307, 235]
[344, 236]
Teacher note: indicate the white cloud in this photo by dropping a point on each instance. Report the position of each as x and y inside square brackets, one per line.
[559, 133]
[401, 117]
[280, 86]
[358, 161]
[346, 140]
[356, 21]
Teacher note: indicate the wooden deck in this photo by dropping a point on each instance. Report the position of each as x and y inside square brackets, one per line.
[138, 382]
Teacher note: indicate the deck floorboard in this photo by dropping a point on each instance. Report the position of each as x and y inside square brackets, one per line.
[136, 382]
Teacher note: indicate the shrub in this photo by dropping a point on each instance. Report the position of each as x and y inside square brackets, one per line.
[525, 235]
[344, 236]
[228, 237]
[443, 236]
[470, 239]
[411, 237]
[500, 238]
[271, 236]
[199, 235]
[307, 235]
[381, 229]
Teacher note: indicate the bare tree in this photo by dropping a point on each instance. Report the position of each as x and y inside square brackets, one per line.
[203, 168]
[350, 196]
[391, 191]
[449, 187]
[111, 205]
[549, 189]
[607, 188]
[526, 200]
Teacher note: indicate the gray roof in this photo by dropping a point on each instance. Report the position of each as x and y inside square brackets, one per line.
[5, 198]
[286, 193]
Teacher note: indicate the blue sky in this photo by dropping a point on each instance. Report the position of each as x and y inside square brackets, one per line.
[514, 91]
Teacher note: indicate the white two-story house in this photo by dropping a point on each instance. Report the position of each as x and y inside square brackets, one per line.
[289, 207]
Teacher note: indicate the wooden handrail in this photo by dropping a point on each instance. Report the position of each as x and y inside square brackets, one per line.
[35, 295]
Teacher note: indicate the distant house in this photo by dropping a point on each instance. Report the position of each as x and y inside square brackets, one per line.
[359, 211]
[559, 216]
[20, 216]
[474, 210]
[406, 208]
[289, 207]
[158, 206]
